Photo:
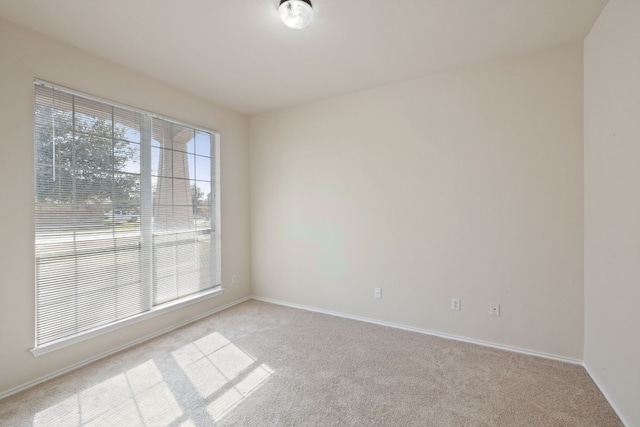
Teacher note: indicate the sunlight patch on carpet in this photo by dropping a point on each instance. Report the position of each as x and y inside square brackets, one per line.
[235, 395]
[212, 362]
[138, 396]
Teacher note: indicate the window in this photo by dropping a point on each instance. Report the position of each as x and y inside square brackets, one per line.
[127, 214]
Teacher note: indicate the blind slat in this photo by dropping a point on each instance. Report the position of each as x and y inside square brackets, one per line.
[125, 212]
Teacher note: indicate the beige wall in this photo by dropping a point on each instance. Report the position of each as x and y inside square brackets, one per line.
[25, 55]
[612, 205]
[466, 184]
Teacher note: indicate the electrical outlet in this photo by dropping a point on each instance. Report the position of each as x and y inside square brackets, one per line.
[234, 278]
[494, 309]
[377, 293]
[455, 304]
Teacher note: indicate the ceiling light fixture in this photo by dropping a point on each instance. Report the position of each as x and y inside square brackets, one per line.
[296, 13]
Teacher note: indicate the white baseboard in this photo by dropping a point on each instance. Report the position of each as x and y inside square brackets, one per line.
[116, 350]
[426, 332]
[78, 365]
[598, 382]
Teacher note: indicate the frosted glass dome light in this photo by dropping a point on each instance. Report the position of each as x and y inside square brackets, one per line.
[296, 13]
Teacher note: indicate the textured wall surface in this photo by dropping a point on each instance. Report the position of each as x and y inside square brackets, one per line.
[612, 205]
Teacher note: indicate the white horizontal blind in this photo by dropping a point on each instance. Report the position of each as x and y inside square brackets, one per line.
[124, 212]
[182, 204]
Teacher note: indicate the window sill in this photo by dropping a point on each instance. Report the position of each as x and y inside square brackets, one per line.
[153, 312]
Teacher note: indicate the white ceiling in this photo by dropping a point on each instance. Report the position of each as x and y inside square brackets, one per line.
[238, 54]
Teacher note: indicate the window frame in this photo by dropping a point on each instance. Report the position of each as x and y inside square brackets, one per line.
[215, 215]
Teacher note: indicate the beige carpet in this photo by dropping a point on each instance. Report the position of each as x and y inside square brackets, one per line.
[267, 365]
